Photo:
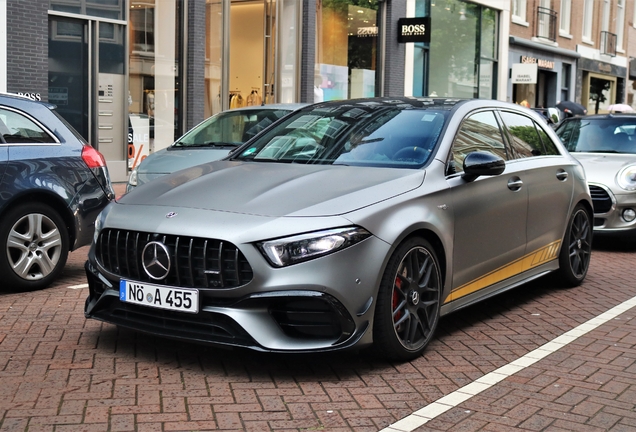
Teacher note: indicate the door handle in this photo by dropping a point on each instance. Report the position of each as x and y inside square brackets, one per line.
[562, 175]
[514, 184]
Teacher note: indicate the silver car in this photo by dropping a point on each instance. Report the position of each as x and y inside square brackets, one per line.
[346, 224]
[606, 146]
[212, 139]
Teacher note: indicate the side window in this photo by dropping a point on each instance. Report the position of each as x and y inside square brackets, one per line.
[478, 132]
[16, 128]
[548, 144]
[566, 132]
[525, 138]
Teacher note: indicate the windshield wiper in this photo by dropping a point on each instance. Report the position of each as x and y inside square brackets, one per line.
[211, 144]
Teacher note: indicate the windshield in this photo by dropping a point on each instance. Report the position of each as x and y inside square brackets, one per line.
[601, 135]
[230, 128]
[341, 134]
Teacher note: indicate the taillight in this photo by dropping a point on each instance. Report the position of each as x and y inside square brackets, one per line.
[97, 164]
[92, 157]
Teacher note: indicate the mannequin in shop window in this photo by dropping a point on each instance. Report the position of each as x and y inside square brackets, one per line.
[150, 103]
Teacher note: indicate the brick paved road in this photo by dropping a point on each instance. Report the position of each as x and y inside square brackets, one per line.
[59, 372]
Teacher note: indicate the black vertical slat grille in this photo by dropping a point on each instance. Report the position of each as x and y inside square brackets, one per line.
[601, 199]
[195, 262]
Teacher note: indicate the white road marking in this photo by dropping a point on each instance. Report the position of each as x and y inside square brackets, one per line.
[440, 406]
[80, 286]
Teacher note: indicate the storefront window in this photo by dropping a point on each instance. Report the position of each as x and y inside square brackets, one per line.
[346, 49]
[601, 93]
[154, 93]
[262, 67]
[461, 59]
[113, 9]
[213, 56]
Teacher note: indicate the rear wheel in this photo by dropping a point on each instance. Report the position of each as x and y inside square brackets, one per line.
[34, 246]
[576, 250]
[408, 304]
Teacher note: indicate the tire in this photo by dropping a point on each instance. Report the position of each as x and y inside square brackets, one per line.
[34, 246]
[576, 249]
[407, 310]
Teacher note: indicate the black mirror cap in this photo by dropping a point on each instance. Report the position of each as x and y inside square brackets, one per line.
[481, 163]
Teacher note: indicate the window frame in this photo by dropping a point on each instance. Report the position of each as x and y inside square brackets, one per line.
[518, 12]
[588, 17]
[565, 19]
[53, 138]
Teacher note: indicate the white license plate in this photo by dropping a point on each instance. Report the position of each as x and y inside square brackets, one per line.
[159, 296]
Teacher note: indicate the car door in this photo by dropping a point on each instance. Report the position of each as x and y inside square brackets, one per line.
[4, 148]
[548, 178]
[489, 212]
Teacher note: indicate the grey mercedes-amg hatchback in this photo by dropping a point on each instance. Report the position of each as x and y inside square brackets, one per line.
[348, 223]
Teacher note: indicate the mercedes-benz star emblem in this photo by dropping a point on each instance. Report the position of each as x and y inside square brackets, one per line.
[415, 297]
[155, 260]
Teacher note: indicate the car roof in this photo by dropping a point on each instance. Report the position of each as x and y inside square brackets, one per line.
[276, 106]
[608, 116]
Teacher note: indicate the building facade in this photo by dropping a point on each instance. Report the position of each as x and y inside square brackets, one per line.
[568, 50]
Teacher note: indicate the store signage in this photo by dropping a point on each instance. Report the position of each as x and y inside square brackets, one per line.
[414, 30]
[524, 73]
[29, 95]
[367, 31]
[542, 63]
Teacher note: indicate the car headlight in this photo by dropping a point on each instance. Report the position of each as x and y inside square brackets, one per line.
[98, 227]
[132, 178]
[291, 250]
[626, 178]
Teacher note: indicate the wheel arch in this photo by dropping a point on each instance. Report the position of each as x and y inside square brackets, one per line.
[52, 200]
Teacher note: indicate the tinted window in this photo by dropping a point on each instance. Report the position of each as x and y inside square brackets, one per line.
[479, 132]
[16, 128]
[526, 141]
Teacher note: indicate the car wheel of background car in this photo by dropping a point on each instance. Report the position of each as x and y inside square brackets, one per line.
[574, 259]
[408, 304]
[34, 246]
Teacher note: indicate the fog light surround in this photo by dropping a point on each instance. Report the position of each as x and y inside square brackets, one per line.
[629, 215]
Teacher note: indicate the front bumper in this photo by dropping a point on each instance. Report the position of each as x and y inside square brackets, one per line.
[608, 211]
[268, 314]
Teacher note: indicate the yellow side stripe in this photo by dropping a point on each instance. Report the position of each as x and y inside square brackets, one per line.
[533, 259]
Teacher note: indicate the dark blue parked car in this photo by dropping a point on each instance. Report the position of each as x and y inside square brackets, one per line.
[52, 187]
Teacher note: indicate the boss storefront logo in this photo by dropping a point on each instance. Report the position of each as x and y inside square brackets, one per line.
[414, 30]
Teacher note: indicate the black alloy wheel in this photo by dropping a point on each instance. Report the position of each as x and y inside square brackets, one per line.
[576, 250]
[407, 311]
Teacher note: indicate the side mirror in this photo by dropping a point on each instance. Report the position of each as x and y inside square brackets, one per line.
[481, 163]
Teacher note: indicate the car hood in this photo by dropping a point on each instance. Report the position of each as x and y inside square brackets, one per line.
[603, 167]
[173, 159]
[274, 189]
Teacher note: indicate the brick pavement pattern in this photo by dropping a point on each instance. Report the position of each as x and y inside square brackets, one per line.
[61, 372]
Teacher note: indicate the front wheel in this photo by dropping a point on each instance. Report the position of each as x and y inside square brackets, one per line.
[34, 246]
[576, 250]
[408, 306]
